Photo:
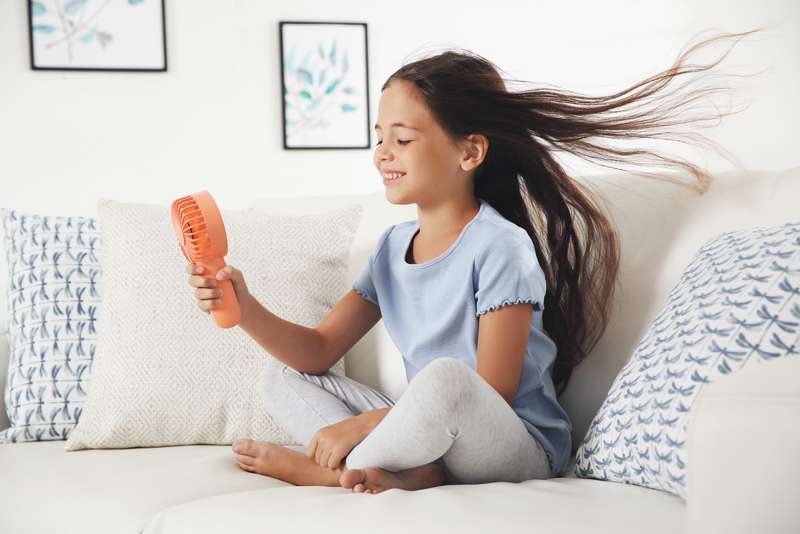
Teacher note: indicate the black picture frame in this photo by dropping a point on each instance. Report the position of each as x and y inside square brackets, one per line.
[324, 85]
[95, 35]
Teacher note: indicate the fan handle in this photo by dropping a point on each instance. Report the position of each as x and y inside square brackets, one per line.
[228, 314]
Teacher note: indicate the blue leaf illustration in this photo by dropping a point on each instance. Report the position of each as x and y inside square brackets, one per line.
[350, 91]
[73, 7]
[88, 38]
[44, 29]
[333, 53]
[348, 108]
[134, 2]
[345, 63]
[37, 8]
[305, 76]
[332, 86]
[305, 94]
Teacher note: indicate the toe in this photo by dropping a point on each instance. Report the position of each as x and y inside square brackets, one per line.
[352, 478]
[245, 460]
[241, 446]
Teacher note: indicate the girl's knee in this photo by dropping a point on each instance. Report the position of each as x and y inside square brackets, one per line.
[447, 382]
[446, 370]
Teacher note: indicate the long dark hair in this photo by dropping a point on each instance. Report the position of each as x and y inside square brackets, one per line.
[577, 245]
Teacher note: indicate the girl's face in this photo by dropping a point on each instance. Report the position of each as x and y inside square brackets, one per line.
[418, 161]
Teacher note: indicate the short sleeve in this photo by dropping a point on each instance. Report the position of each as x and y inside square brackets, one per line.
[508, 272]
[365, 283]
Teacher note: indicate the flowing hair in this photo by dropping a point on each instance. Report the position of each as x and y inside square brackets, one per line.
[576, 243]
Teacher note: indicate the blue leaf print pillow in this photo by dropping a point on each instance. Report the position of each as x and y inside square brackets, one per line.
[53, 304]
[736, 304]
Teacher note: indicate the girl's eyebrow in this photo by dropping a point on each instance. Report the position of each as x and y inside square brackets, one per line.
[398, 125]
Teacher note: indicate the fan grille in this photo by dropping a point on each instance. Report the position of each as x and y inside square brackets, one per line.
[193, 234]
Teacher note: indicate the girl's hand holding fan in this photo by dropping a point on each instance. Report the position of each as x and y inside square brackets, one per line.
[203, 241]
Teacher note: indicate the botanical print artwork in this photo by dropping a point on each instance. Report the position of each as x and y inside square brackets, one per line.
[97, 34]
[324, 85]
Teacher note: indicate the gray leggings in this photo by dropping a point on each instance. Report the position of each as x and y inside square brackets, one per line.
[448, 415]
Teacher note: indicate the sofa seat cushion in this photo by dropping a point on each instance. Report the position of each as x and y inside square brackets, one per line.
[198, 489]
[45, 489]
[541, 506]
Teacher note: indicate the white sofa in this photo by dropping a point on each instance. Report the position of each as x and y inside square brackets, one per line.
[743, 472]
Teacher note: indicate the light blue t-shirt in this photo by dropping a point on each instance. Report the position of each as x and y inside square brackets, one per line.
[432, 309]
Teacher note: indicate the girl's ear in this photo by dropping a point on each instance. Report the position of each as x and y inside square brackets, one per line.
[475, 147]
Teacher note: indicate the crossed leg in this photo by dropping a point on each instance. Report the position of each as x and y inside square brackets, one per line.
[448, 412]
[303, 404]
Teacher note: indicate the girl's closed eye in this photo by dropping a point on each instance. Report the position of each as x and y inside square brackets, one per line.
[399, 142]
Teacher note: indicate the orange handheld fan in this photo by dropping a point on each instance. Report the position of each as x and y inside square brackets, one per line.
[202, 238]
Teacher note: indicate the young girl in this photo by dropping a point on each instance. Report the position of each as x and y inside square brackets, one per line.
[493, 296]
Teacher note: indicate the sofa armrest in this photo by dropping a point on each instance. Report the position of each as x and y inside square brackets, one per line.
[743, 472]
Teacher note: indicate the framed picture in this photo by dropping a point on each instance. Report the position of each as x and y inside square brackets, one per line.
[324, 76]
[117, 35]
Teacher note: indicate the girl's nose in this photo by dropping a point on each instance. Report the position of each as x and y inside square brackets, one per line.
[382, 153]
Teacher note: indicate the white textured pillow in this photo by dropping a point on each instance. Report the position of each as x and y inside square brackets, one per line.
[736, 304]
[163, 373]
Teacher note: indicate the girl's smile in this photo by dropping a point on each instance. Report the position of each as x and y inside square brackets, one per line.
[391, 176]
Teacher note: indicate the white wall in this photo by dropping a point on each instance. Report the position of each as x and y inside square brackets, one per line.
[213, 121]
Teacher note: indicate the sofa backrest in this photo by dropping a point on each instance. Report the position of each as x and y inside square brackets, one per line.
[661, 227]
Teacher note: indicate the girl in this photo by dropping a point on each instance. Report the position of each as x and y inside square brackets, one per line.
[493, 296]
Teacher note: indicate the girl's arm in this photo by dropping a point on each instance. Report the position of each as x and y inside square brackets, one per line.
[308, 350]
[502, 342]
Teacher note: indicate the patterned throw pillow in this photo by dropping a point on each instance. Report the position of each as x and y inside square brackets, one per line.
[164, 374]
[736, 304]
[53, 303]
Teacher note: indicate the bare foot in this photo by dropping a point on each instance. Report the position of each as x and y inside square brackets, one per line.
[275, 461]
[374, 480]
